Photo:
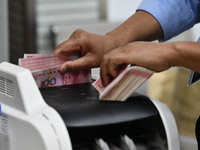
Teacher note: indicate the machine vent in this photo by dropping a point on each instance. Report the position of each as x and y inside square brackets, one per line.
[6, 86]
[4, 124]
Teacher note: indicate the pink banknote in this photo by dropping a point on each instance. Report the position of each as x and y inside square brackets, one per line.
[52, 77]
[44, 68]
[37, 55]
[98, 85]
[36, 60]
[124, 84]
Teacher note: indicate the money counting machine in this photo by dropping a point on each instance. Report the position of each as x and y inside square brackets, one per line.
[72, 117]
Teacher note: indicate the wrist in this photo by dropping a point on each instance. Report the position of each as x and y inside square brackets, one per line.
[136, 29]
[173, 54]
[185, 54]
[111, 42]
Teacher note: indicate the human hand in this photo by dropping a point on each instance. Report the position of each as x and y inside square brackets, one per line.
[92, 48]
[154, 56]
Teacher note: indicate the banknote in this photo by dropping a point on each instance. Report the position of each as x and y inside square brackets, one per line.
[131, 78]
[45, 70]
[77, 54]
[36, 61]
[37, 55]
[43, 66]
[52, 77]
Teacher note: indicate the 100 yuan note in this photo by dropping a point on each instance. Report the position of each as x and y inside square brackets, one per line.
[52, 77]
[124, 84]
[44, 68]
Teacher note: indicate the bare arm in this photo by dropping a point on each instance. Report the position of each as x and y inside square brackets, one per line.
[154, 56]
[188, 55]
[140, 26]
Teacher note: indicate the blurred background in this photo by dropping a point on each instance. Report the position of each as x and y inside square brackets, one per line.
[37, 26]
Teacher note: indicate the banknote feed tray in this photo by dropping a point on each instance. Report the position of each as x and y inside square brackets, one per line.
[87, 118]
[79, 106]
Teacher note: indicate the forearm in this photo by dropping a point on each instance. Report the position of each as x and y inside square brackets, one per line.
[186, 54]
[141, 26]
[152, 55]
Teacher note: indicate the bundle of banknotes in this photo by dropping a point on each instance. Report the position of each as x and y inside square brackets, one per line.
[131, 78]
[45, 70]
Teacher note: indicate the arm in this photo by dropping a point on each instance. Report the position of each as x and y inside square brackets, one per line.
[188, 55]
[140, 26]
[174, 17]
[155, 56]
[156, 20]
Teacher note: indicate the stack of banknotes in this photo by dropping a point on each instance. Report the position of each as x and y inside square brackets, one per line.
[124, 84]
[45, 70]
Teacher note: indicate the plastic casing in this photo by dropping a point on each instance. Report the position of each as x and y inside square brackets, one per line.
[28, 122]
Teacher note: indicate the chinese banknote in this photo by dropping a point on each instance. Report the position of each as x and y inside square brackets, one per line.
[45, 70]
[124, 84]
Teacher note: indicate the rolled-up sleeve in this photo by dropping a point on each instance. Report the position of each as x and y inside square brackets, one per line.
[174, 16]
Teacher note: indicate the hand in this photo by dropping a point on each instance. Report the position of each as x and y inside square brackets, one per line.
[91, 46]
[154, 56]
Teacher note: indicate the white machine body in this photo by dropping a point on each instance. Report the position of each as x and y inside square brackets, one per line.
[28, 123]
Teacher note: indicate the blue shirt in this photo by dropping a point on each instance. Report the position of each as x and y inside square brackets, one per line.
[174, 16]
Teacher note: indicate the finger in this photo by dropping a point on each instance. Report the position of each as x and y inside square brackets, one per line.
[110, 66]
[105, 77]
[67, 47]
[78, 64]
[112, 69]
[108, 72]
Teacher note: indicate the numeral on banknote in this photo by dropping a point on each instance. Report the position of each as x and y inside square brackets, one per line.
[47, 82]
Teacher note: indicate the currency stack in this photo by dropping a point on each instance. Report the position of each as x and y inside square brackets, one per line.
[131, 78]
[45, 70]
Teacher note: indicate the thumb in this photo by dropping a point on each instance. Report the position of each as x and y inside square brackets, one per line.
[74, 65]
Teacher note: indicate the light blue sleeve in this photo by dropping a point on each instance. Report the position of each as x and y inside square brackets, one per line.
[174, 16]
